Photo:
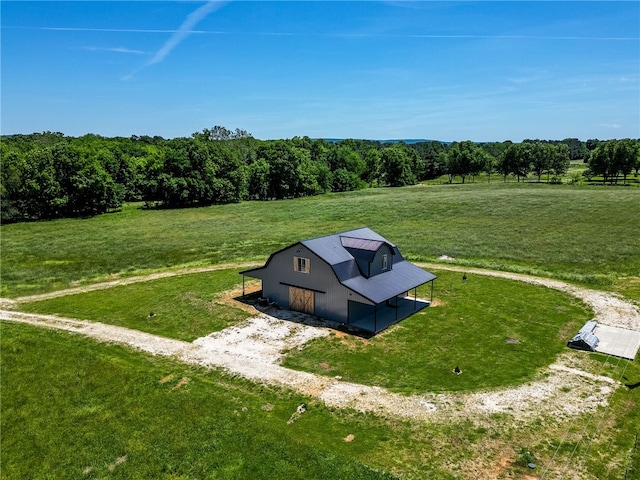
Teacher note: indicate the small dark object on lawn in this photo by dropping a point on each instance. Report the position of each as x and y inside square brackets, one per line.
[457, 370]
[151, 314]
[464, 277]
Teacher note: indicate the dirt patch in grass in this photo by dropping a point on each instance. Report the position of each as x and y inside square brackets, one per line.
[352, 342]
[183, 381]
[118, 461]
[436, 302]
[230, 297]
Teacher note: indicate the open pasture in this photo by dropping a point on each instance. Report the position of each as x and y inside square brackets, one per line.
[127, 415]
[124, 414]
[586, 235]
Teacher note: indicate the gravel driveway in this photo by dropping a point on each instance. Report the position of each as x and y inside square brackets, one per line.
[253, 349]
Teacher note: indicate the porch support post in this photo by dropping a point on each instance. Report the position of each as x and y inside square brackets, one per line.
[396, 308]
[375, 318]
[243, 285]
[415, 298]
[431, 299]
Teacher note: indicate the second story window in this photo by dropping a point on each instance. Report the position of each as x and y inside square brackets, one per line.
[385, 265]
[301, 264]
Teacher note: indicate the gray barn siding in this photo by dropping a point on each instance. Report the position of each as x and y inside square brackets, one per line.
[376, 264]
[339, 282]
[330, 297]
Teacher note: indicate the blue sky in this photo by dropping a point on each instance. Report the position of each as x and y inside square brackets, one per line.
[481, 71]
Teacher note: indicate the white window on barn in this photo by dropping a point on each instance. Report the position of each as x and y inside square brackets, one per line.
[385, 265]
[301, 264]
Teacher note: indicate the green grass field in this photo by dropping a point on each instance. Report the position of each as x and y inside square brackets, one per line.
[469, 325]
[183, 307]
[581, 234]
[127, 415]
[74, 408]
[497, 331]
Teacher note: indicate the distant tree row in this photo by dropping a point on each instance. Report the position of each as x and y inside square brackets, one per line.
[613, 158]
[48, 175]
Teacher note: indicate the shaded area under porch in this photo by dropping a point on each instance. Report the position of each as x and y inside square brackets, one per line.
[375, 318]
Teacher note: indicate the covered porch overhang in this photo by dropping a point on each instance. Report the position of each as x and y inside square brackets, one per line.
[375, 318]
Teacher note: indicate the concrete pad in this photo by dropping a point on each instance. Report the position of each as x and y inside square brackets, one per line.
[616, 341]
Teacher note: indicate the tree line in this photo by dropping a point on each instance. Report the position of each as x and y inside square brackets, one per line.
[48, 175]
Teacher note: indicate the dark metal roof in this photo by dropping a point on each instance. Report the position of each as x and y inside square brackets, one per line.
[335, 250]
[401, 278]
[331, 249]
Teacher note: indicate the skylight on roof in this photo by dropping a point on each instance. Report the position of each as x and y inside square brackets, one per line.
[361, 243]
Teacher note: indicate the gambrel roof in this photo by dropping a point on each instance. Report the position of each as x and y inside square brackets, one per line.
[340, 250]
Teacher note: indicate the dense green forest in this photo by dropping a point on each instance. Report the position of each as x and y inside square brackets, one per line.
[48, 175]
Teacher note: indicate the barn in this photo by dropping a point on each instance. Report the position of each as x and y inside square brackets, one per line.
[357, 278]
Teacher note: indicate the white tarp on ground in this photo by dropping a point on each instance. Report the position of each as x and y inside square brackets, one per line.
[616, 341]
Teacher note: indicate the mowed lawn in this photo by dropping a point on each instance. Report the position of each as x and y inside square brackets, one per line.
[75, 408]
[498, 333]
[586, 235]
[183, 307]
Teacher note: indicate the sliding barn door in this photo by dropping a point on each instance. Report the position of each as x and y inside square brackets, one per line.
[301, 300]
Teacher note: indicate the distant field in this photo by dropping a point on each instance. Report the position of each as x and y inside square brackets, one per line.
[581, 234]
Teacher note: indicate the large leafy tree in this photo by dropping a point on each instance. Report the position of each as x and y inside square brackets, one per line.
[396, 166]
[624, 157]
[560, 161]
[601, 161]
[284, 161]
[464, 159]
[538, 155]
[373, 161]
[55, 181]
[521, 164]
[432, 164]
[506, 160]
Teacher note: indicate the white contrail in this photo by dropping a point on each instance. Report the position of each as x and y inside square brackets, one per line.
[183, 32]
